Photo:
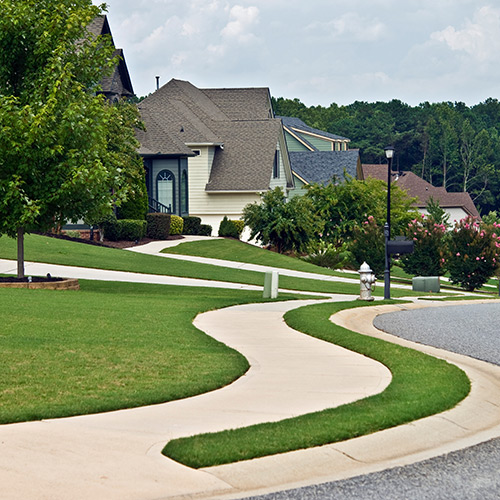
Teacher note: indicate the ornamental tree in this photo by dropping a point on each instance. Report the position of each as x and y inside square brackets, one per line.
[65, 153]
[428, 256]
[368, 245]
[474, 253]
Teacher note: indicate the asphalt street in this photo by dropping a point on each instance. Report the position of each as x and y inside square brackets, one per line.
[469, 474]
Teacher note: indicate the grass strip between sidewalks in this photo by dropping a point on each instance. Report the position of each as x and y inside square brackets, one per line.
[238, 251]
[56, 251]
[421, 386]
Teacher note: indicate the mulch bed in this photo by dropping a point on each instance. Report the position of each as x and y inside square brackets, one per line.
[112, 244]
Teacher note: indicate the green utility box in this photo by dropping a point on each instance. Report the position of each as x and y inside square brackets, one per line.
[426, 284]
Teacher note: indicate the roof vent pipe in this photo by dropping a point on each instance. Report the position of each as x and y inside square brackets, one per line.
[157, 82]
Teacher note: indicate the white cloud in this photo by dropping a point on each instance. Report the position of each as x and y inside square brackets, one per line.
[479, 38]
[242, 19]
[350, 26]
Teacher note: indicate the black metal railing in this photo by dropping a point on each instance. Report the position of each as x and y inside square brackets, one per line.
[156, 206]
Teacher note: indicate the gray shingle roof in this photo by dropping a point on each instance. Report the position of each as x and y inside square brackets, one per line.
[179, 114]
[321, 167]
[118, 83]
[242, 103]
[246, 162]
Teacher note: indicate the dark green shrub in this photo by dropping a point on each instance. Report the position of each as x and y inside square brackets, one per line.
[158, 226]
[205, 230]
[176, 224]
[131, 230]
[135, 207]
[191, 225]
[228, 229]
[368, 245]
[287, 225]
[108, 226]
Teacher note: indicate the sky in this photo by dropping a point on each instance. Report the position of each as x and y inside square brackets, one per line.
[319, 51]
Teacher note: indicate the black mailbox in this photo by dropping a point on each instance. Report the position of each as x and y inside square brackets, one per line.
[399, 246]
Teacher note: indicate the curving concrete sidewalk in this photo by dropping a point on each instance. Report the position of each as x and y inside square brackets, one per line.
[116, 455]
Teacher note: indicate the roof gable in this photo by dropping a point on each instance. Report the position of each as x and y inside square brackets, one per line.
[416, 187]
[118, 83]
[237, 120]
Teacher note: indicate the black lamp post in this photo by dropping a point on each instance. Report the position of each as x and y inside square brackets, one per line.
[389, 153]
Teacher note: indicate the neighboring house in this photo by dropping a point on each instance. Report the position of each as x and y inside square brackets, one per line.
[317, 156]
[456, 205]
[210, 152]
[118, 84]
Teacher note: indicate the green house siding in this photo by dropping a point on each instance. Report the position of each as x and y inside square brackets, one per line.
[318, 143]
[293, 144]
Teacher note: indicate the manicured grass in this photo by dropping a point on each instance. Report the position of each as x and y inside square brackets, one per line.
[237, 251]
[421, 386]
[57, 251]
[109, 346]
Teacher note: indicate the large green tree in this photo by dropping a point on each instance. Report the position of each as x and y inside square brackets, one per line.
[65, 153]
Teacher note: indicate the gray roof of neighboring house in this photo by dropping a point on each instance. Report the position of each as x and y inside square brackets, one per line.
[322, 167]
[118, 82]
[179, 114]
[296, 123]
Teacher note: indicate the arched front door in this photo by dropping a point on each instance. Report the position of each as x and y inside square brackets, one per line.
[165, 189]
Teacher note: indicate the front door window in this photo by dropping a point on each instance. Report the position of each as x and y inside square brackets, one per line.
[165, 186]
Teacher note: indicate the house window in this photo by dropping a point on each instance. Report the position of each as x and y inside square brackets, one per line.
[184, 192]
[276, 165]
[165, 189]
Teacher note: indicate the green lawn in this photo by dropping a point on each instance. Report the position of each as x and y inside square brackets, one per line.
[237, 251]
[121, 345]
[57, 251]
[109, 346]
[421, 386]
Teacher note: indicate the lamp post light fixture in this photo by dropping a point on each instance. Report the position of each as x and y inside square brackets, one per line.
[389, 153]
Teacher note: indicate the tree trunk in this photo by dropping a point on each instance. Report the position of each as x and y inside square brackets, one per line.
[20, 252]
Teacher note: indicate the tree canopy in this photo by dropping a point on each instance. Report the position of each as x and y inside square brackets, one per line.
[65, 153]
[448, 144]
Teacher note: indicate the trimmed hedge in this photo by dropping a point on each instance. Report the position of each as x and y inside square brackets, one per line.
[158, 226]
[231, 228]
[205, 230]
[176, 224]
[191, 225]
[123, 229]
[109, 228]
[131, 229]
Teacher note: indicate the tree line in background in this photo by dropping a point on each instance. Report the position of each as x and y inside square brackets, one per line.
[447, 144]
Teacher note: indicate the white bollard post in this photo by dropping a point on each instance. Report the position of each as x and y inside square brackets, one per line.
[271, 280]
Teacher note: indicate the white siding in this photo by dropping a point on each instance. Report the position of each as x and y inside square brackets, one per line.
[455, 213]
[198, 174]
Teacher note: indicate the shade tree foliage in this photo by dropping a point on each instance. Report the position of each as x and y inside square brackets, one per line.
[65, 153]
